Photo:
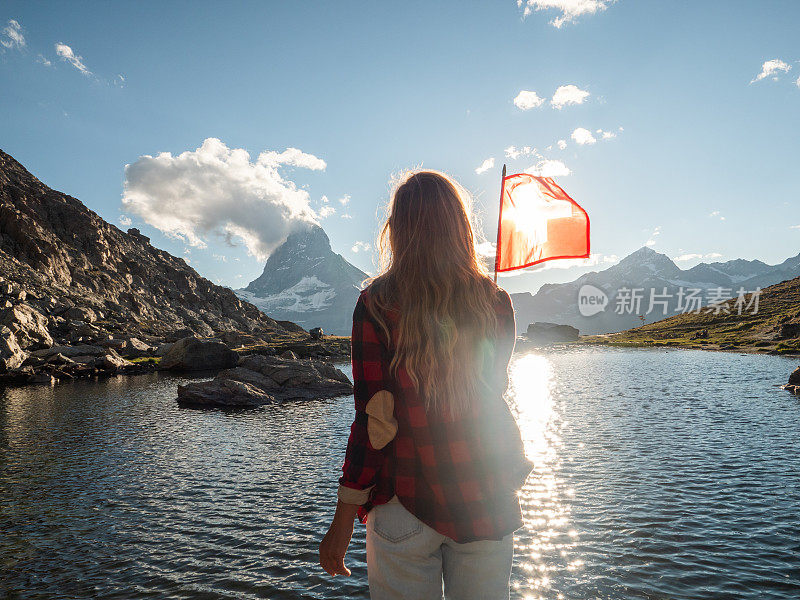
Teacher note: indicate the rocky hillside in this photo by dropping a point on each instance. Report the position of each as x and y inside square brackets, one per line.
[646, 270]
[64, 255]
[774, 328]
[305, 281]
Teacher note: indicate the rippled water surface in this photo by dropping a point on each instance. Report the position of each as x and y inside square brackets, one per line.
[659, 474]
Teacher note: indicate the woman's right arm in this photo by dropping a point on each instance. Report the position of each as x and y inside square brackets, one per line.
[373, 428]
[374, 425]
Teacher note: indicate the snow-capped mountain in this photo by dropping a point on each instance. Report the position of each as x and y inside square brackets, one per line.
[656, 278]
[306, 282]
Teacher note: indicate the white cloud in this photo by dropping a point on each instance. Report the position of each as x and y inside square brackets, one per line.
[583, 136]
[292, 157]
[798, 82]
[570, 9]
[548, 168]
[794, 226]
[125, 221]
[220, 257]
[326, 210]
[593, 260]
[716, 215]
[41, 59]
[216, 190]
[11, 36]
[513, 152]
[358, 246]
[344, 200]
[695, 256]
[568, 94]
[568, 263]
[346, 216]
[562, 144]
[772, 68]
[527, 100]
[606, 135]
[652, 241]
[67, 54]
[485, 165]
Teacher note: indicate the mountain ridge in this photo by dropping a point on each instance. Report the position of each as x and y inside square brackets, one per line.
[649, 270]
[770, 325]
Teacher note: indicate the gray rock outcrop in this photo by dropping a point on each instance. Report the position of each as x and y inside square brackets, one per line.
[551, 333]
[195, 354]
[794, 382]
[11, 354]
[259, 380]
[28, 325]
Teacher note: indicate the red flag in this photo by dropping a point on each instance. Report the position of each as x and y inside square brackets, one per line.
[538, 222]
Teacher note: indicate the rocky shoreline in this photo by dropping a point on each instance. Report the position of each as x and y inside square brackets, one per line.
[43, 341]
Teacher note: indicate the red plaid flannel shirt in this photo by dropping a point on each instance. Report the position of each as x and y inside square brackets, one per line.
[458, 475]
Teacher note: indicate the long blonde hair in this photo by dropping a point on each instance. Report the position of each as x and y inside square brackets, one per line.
[431, 273]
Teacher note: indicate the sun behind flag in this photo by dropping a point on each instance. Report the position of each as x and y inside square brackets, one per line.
[538, 222]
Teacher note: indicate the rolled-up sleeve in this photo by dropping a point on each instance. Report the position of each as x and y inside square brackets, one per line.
[374, 425]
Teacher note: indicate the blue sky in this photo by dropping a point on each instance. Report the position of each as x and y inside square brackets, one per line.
[703, 162]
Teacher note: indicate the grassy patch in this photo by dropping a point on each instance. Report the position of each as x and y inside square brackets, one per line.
[146, 359]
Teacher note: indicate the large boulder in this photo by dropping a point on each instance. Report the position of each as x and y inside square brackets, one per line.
[222, 393]
[551, 333]
[794, 382]
[195, 354]
[11, 354]
[267, 379]
[307, 378]
[28, 325]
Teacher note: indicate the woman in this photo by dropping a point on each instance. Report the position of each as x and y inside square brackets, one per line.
[434, 458]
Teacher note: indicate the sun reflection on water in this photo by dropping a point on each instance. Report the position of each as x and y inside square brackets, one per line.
[544, 546]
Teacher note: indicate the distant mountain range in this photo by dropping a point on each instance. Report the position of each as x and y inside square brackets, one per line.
[306, 282]
[652, 274]
[774, 328]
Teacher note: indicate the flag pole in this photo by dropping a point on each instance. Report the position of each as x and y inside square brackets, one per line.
[499, 221]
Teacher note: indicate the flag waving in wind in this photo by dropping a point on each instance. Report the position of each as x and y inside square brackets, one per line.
[538, 221]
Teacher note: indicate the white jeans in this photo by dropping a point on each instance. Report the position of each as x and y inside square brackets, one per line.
[407, 560]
